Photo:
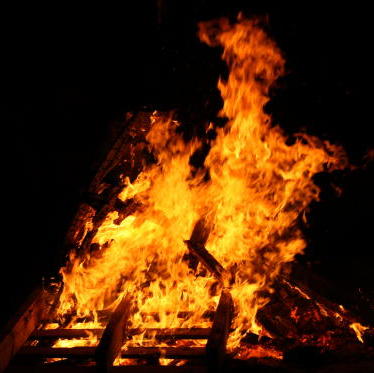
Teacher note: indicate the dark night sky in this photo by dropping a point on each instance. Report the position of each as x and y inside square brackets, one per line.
[70, 72]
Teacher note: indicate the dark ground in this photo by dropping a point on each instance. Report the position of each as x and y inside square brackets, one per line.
[70, 72]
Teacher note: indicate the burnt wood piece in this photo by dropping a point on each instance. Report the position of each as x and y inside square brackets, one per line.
[129, 352]
[65, 333]
[18, 330]
[198, 252]
[177, 333]
[114, 334]
[310, 315]
[331, 295]
[277, 321]
[216, 345]
[182, 314]
[104, 315]
[199, 237]
[200, 233]
[164, 352]
[135, 129]
[126, 155]
[330, 307]
[207, 259]
[68, 352]
[52, 297]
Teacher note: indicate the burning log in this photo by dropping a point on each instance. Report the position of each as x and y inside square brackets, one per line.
[114, 335]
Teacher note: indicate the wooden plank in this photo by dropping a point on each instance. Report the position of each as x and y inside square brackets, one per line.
[68, 352]
[105, 315]
[65, 333]
[200, 232]
[21, 326]
[216, 345]
[55, 368]
[114, 334]
[175, 333]
[181, 314]
[129, 352]
[159, 369]
[50, 368]
[164, 352]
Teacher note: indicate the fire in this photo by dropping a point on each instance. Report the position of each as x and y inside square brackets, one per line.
[249, 193]
[359, 330]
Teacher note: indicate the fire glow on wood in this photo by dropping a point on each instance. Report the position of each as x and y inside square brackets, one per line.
[240, 209]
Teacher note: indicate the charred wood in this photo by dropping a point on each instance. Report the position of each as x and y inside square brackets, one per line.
[114, 334]
[17, 331]
[216, 345]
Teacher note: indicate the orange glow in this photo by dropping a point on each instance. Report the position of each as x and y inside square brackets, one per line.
[258, 186]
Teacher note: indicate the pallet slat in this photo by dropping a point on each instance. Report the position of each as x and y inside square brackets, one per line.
[165, 352]
[114, 334]
[216, 345]
[53, 368]
[176, 333]
[68, 352]
[129, 352]
[21, 326]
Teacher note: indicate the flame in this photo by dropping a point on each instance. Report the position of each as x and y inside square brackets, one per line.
[359, 329]
[250, 192]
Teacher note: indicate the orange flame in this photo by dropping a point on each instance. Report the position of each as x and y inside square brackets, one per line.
[257, 187]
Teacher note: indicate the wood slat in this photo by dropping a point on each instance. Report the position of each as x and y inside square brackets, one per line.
[65, 333]
[21, 326]
[182, 314]
[165, 352]
[104, 314]
[54, 368]
[129, 352]
[114, 334]
[196, 246]
[69, 352]
[175, 333]
[216, 345]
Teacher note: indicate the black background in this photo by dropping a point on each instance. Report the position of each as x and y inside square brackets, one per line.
[70, 72]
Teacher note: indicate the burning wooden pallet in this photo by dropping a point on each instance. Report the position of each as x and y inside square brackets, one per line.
[29, 327]
[101, 198]
[30, 344]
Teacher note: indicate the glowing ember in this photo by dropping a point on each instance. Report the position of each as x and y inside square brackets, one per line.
[259, 352]
[249, 193]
